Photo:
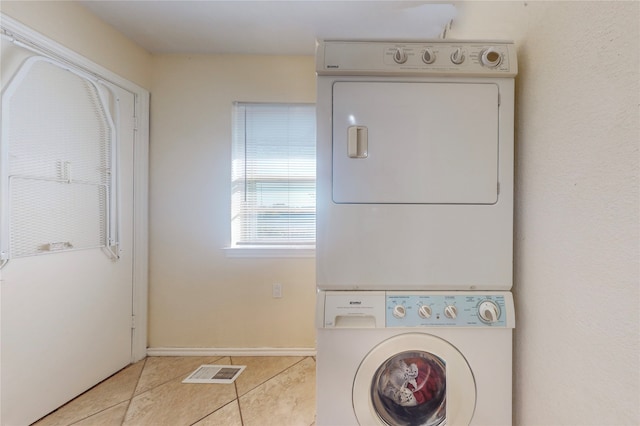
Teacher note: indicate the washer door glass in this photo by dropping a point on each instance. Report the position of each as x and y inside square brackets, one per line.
[410, 389]
[414, 379]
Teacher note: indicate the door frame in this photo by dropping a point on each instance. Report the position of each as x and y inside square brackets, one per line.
[49, 48]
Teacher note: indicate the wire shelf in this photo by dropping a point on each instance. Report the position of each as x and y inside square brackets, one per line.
[58, 144]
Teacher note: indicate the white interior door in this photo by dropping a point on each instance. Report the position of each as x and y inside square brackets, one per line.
[415, 143]
[67, 313]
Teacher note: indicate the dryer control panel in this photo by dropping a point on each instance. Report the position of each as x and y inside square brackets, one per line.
[447, 310]
[431, 57]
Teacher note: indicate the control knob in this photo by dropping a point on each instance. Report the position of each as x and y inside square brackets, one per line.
[457, 57]
[424, 311]
[490, 58]
[489, 312]
[400, 56]
[399, 311]
[428, 57]
[451, 311]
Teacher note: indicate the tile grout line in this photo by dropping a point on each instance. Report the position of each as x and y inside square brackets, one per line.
[224, 405]
[270, 378]
[208, 414]
[104, 409]
[133, 393]
[235, 385]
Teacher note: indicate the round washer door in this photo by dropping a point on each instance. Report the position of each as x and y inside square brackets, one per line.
[414, 379]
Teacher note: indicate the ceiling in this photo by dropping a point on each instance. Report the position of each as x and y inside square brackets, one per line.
[267, 27]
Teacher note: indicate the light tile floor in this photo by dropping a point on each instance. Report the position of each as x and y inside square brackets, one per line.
[270, 391]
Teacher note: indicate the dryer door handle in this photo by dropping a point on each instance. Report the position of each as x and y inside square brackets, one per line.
[357, 142]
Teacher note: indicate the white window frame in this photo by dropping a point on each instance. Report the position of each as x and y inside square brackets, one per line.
[262, 249]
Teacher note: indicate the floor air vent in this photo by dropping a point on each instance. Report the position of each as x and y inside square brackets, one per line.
[215, 374]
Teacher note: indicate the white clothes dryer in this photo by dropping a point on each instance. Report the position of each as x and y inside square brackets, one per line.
[415, 165]
[414, 358]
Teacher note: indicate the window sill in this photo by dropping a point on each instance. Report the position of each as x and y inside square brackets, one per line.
[270, 251]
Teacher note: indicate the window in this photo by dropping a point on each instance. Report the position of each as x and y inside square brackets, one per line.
[273, 183]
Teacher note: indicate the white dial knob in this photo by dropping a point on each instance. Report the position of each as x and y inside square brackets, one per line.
[424, 311]
[399, 311]
[451, 311]
[400, 56]
[457, 57]
[489, 312]
[490, 58]
[428, 57]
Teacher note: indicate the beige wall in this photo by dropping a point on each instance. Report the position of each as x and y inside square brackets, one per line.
[576, 245]
[71, 25]
[576, 266]
[198, 296]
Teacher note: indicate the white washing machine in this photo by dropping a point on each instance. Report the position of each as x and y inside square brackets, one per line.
[414, 358]
[415, 165]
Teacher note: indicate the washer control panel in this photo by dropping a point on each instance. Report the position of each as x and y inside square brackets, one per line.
[446, 310]
[387, 309]
[435, 57]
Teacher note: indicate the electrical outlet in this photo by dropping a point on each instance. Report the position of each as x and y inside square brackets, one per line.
[277, 291]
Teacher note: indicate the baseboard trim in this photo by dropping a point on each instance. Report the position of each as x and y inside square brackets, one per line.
[231, 352]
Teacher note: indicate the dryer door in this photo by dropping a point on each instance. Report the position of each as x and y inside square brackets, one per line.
[414, 379]
[415, 143]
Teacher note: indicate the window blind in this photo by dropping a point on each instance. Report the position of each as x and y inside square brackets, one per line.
[273, 174]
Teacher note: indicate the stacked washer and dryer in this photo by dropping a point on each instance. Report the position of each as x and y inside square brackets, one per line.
[414, 232]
